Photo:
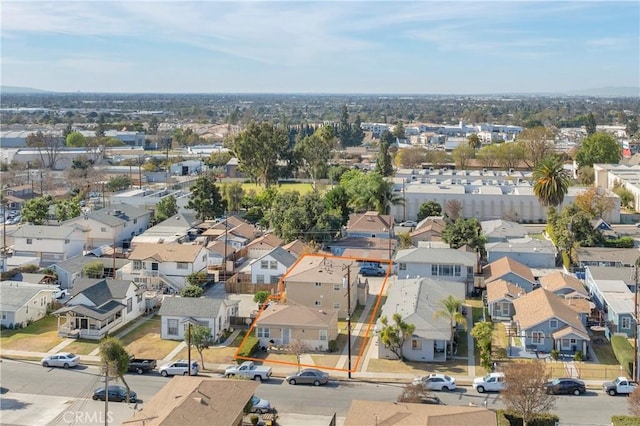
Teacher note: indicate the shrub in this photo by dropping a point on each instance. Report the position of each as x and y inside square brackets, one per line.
[254, 419]
[625, 421]
[578, 356]
[333, 346]
[623, 352]
[555, 354]
[510, 418]
[623, 242]
[249, 348]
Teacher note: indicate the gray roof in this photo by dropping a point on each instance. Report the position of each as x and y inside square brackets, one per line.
[49, 232]
[608, 254]
[127, 212]
[180, 223]
[430, 256]
[14, 294]
[522, 245]
[417, 300]
[203, 307]
[282, 256]
[502, 230]
[76, 263]
[101, 291]
[100, 313]
[623, 273]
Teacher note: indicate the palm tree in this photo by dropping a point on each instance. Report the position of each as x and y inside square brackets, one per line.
[551, 181]
[450, 309]
[387, 197]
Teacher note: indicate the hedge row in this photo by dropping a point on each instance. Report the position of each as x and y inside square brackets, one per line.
[249, 348]
[510, 418]
[625, 421]
[623, 242]
[623, 352]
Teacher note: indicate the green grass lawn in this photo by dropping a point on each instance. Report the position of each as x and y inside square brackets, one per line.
[302, 188]
[40, 336]
[82, 346]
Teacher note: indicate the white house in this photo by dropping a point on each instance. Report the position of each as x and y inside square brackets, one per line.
[532, 252]
[113, 225]
[437, 263]
[417, 300]
[98, 307]
[270, 267]
[71, 270]
[50, 243]
[262, 245]
[177, 312]
[22, 303]
[164, 264]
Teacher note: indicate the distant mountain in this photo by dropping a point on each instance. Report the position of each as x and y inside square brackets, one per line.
[15, 89]
[608, 92]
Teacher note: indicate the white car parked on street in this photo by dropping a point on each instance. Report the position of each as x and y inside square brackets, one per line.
[436, 382]
[62, 359]
[493, 382]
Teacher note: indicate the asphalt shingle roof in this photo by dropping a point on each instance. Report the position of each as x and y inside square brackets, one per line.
[14, 294]
[203, 307]
[101, 291]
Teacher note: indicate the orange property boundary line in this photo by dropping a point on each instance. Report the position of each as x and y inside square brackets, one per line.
[278, 297]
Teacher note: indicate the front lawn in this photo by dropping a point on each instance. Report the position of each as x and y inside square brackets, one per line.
[82, 346]
[40, 336]
[453, 368]
[144, 341]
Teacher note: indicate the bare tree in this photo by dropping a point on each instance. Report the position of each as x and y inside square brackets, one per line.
[298, 348]
[538, 143]
[526, 391]
[48, 146]
[453, 209]
[415, 393]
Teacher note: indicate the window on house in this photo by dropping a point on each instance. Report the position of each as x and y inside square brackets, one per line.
[260, 279]
[457, 270]
[67, 241]
[172, 327]
[137, 265]
[103, 229]
[336, 306]
[273, 264]
[416, 344]
[264, 264]
[336, 287]
[626, 322]
[434, 269]
[274, 279]
[129, 305]
[323, 334]
[537, 338]
[318, 303]
[4, 315]
[182, 265]
[553, 323]
[135, 221]
[402, 266]
[262, 332]
[318, 284]
[29, 241]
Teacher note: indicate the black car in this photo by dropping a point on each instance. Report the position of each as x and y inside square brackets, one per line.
[116, 393]
[566, 386]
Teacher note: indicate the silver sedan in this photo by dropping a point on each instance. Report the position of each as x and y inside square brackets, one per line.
[62, 359]
[309, 376]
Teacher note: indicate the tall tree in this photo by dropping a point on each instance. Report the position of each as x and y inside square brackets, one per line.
[510, 154]
[114, 360]
[394, 335]
[76, 139]
[538, 144]
[398, 131]
[383, 162]
[259, 149]
[48, 147]
[429, 208]
[462, 154]
[35, 210]
[200, 339]
[357, 134]
[595, 201]
[344, 128]
[67, 209]
[315, 151]
[482, 332]
[526, 391]
[632, 127]
[410, 157]
[551, 181]
[464, 232]
[205, 198]
[233, 194]
[450, 309]
[473, 140]
[598, 148]
[118, 183]
[590, 124]
[488, 155]
[166, 208]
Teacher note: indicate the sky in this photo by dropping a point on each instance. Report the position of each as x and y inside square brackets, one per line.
[415, 47]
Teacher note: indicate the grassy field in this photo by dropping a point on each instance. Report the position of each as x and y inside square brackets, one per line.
[454, 367]
[144, 341]
[41, 336]
[302, 188]
[82, 346]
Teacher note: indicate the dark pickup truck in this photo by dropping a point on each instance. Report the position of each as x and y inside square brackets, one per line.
[141, 366]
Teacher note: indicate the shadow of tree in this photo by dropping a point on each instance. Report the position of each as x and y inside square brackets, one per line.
[13, 404]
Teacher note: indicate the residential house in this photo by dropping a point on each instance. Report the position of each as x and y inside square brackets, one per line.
[177, 312]
[545, 322]
[97, 307]
[370, 224]
[599, 280]
[620, 313]
[262, 245]
[186, 168]
[219, 254]
[606, 229]
[16, 196]
[35, 278]
[404, 413]
[438, 263]
[71, 270]
[531, 252]
[320, 282]
[417, 300]
[500, 297]
[238, 237]
[500, 230]
[371, 248]
[115, 225]
[428, 229]
[179, 228]
[51, 244]
[298, 248]
[196, 401]
[165, 264]
[22, 302]
[563, 285]
[606, 256]
[271, 266]
[280, 324]
[509, 270]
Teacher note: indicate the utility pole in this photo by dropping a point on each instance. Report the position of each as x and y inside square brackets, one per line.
[106, 394]
[139, 171]
[635, 319]
[189, 348]
[348, 283]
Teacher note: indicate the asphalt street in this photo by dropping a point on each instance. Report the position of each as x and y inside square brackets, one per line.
[33, 395]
